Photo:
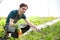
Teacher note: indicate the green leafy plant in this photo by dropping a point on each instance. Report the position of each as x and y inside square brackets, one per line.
[45, 34]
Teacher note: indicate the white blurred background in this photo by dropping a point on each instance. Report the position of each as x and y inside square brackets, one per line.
[42, 8]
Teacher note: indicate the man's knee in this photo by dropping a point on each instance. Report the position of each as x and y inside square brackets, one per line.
[25, 28]
[9, 29]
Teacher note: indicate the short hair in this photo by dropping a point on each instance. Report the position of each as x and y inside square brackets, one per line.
[23, 5]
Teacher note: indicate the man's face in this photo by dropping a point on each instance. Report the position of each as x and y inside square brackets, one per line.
[23, 10]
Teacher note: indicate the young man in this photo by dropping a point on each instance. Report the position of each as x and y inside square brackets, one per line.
[16, 15]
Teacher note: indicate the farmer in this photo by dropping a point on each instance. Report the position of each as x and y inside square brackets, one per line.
[16, 15]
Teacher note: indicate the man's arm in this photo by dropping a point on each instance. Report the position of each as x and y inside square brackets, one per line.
[31, 25]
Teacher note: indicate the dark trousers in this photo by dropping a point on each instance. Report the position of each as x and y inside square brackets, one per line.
[15, 34]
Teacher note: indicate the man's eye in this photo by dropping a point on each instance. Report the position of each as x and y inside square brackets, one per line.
[24, 9]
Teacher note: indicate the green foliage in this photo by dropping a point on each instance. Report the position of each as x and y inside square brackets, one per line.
[35, 20]
[2, 21]
[48, 33]
[38, 20]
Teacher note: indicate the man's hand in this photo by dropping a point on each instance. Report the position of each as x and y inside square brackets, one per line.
[38, 30]
[11, 21]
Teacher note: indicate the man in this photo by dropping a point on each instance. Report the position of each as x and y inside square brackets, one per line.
[16, 15]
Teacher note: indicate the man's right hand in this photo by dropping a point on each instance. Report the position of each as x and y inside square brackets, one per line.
[38, 30]
[11, 21]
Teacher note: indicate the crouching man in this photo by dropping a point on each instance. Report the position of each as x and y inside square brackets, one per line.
[13, 17]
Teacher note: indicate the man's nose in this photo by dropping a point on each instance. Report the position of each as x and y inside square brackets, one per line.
[24, 10]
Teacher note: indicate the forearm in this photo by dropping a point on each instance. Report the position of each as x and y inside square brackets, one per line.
[31, 25]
